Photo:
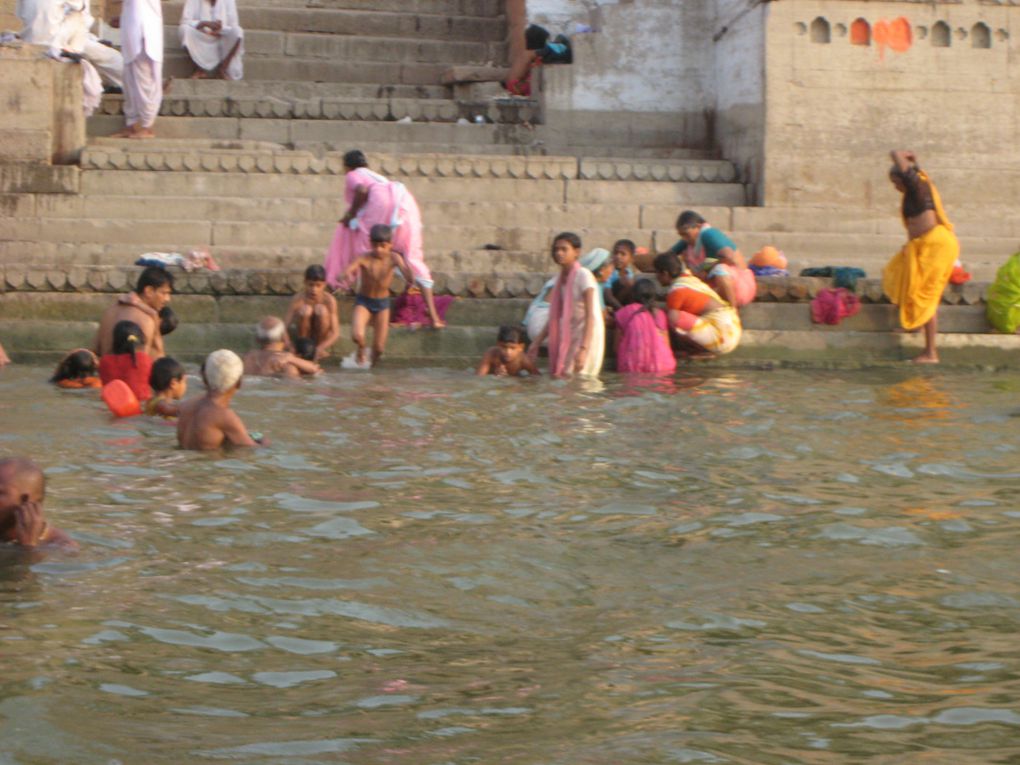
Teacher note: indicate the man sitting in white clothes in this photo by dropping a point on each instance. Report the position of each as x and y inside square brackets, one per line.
[66, 25]
[213, 38]
[141, 42]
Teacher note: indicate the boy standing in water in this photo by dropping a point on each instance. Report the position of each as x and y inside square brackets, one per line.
[208, 422]
[313, 314]
[507, 357]
[372, 305]
[22, 490]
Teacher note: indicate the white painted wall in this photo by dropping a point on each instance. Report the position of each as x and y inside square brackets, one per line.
[562, 15]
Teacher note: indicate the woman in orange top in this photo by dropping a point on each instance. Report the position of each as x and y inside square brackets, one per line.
[698, 317]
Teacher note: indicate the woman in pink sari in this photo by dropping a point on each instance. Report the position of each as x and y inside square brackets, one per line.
[642, 336]
[374, 199]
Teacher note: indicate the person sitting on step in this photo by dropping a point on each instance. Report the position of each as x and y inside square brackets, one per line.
[212, 35]
[313, 314]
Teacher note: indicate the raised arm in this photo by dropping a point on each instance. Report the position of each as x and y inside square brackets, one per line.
[903, 159]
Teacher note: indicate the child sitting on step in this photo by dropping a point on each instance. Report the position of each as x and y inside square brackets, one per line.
[313, 314]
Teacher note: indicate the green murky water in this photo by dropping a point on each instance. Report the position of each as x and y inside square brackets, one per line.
[426, 568]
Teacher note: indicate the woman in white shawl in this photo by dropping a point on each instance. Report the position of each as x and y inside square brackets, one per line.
[213, 37]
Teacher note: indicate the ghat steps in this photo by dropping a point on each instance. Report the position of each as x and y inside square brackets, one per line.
[255, 205]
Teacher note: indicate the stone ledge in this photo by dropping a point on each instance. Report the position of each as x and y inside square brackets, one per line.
[423, 110]
[110, 156]
[279, 281]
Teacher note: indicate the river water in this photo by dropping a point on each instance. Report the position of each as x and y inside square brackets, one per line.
[427, 568]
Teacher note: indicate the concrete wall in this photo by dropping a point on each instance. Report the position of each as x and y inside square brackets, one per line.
[42, 121]
[642, 76]
[738, 57]
[835, 109]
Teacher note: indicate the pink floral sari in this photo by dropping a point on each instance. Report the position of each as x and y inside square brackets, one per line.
[643, 348]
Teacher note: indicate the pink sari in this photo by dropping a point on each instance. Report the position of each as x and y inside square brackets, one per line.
[388, 203]
[561, 314]
[642, 346]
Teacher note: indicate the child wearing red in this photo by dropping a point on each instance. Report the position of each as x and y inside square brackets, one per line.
[127, 362]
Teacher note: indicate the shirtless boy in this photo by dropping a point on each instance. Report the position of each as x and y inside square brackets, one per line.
[208, 422]
[507, 356]
[22, 490]
[271, 358]
[152, 293]
[372, 304]
[313, 314]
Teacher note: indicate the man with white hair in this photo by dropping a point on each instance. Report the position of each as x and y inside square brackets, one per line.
[208, 422]
[271, 358]
[212, 35]
[141, 42]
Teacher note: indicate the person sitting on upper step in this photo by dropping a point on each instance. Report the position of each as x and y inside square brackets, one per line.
[213, 37]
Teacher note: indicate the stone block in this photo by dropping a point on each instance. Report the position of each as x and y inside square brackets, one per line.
[26, 146]
[249, 309]
[23, 178]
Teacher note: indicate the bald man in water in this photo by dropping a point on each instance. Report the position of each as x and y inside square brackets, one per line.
[22, 490]
[272, 359]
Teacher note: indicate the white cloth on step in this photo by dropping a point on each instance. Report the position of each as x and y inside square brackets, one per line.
[208, 50]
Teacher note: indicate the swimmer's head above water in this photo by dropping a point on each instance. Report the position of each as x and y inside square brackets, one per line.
[269, 331]
[222, 371]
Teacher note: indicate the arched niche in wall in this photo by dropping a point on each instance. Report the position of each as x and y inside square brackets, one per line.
[940, 37]
[860, 32]
[820, 31]
[980, 36]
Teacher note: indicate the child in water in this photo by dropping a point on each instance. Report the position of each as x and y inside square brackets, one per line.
[375, 270]
[576, 329]
[169, 383]
[128, 362]
[313, 316]
[642, 338]
[208, 422]
[507, 356]
[22, 491]
[78, 369]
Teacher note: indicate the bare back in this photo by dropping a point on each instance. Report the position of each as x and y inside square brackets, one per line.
[124, 312]
[204, 425]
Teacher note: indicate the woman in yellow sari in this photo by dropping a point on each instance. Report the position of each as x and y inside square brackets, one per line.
[916, 276]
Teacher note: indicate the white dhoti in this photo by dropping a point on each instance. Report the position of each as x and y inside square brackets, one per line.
[92, 88]
[143, 90]
[107, 61]
[207, 50]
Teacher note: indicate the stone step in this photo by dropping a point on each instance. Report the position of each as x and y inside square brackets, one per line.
[968, 221]
[322, 136]
[599, 175]
[360, 22]
[231, 309]
[372, 109]
[259, 44]
[490, 189]
[485, 8]
[298, 91]
[287, 210]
